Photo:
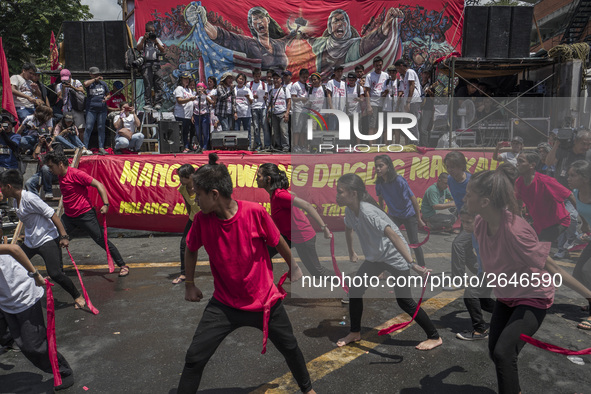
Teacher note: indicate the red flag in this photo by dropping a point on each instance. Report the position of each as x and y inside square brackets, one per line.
[54, 56]
[7, 99]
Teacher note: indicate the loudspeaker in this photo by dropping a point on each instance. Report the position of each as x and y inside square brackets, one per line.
[229, 140]
[521, 25]
[532, 130]
[475, 31]
[99, 44]
[169, 136]
[499, 32]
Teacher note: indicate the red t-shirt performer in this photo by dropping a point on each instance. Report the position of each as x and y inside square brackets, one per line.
[78, 210]
[235, 235]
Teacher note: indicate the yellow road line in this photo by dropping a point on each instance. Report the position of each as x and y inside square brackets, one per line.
[339, 357]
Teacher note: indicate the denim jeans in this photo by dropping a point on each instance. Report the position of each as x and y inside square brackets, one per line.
[23, 112]
[44, 177]
[571, 233]
[259, 122]
[226, 122]
[100, 118]
[137, 139]
[245, 123]
[28, 142]
[202, 130]
[70, 141]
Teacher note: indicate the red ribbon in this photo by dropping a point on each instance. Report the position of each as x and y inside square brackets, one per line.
[267, 312]
[86, 298]
[335, 266]
[51, 342]
[414, 246]
[399, 326]
[553, 348]
[109, 258]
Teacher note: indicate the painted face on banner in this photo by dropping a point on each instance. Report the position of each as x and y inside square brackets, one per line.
[260, 24]
[339, 26]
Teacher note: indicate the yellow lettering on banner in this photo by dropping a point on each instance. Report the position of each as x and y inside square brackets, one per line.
[436, 166]
[352, 169]
[159, 176]
[336, 171]
[397, 163]
[300, 175]
[321, 175]
[482, 164]
[172, 179]
[246, 175]
[325, 208]
[493, 164]
[369, 176]
[163, 209]
[147, 208]
[145, 177]
[128, 207]
[419, 168]
[267, 206]
[179, 209]
[232, 171]
[470, 163]
[129, 173]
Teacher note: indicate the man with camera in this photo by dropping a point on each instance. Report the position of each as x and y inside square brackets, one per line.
[150, 46]
[23, 91]
[9, 142]
[67, 90]
[569, 147]
[129, 136]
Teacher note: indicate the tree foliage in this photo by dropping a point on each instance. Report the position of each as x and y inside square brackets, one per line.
[27, 25]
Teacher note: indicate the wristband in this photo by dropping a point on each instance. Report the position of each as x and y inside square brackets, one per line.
[65, 237]
[323, 227]
[107, 204]
[33, 274]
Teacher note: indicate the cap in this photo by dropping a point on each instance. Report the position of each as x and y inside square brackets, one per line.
[391, 68]
[226, 75]
[517, 139]
[94, 70]
[68, 117]
[37, 71]
[186, 74]
[339, 68]
[65, 74]
[287, 73]
[6, 117]
[352, 75]
[546, 146]
[201, 85]
[118, 85]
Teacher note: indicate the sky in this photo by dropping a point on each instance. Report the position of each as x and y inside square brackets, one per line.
[104, 10]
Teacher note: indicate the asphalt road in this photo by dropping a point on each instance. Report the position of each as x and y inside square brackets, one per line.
[138, 341]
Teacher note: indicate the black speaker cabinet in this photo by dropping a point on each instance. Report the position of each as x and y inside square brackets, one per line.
[229, 140]
[521, 25]
[95, 44]
[499, 32]
[170, 136]
[475, 31]
[532, 130]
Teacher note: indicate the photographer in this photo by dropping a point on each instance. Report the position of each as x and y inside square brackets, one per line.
[9, 142]
[23, 91]
[568, 148]
[129, 136]
[43, 176]
[63, 92]
[150, 45]
[66, 133]
[41, 122]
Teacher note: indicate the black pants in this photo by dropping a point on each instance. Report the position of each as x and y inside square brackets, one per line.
[476, 300]
[307, 253]
[462, 255]
[582, 271]
[219, 321]
[51, 253]
[184, 244]
[403, 297]
[412, 231]
[504, 344]
[30, 334]
[88, 223]
[151, 80]
[551, 234]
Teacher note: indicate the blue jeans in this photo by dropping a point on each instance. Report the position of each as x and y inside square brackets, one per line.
[70, 141]
[259, 122]
[28, 142]
[202, 130]
[226, 122]
[101, 119]
[137, 139]
[23, 112]
[245, 122]
[45, 177]
[187, 131]
[571, 232]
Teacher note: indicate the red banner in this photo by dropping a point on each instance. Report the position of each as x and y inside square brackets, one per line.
[7, 98]
[210, 37]
[143, 188]
[54, 56]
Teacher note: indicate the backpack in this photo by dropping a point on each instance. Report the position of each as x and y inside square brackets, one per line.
[262, 82]
[77, 99]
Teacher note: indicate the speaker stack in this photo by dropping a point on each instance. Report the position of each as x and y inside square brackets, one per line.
[170, 136]
[497, 32]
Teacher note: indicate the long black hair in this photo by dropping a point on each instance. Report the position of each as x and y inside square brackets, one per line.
[392, 174]
[353, 182]
[278, 178]
[497, 187]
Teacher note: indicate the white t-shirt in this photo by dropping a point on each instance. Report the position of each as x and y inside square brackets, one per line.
[509, 157]
[353, 93]
[23, 86]
[317, 99]
[150, 51]
[337, 88]
[409, 76]
[183, 110]
[36, 217]
[67, 107]
[278, 99]
[31, 121]
[376, 84]
[391, 99]
[128, 121]
[18, 292]
[200, 104]
[260, 89]
[298, 89]
[242, 104]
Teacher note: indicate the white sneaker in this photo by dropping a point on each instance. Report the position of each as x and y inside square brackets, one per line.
[49, 196]
[86, 152]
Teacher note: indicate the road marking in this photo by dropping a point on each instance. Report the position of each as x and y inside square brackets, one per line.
[339, 357]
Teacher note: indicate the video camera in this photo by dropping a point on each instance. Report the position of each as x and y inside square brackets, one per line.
[566, 136]
[151, 35]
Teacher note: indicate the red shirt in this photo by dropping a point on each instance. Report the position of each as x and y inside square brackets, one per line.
[544, 199]
[514, 249]
[116, 100]
[74, 188]
[239, 260]
[291, 221]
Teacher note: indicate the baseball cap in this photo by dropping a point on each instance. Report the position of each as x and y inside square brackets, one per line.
[118, 85]
[517, 139]
[352, 75]
[286, 72]
[391, 68]
[94, 70]
[186, 74]
[8, 118]
[68, 117]
[65, 74]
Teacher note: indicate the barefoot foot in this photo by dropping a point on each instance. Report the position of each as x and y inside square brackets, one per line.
[79, 303]
[352, 337]
[429, 344]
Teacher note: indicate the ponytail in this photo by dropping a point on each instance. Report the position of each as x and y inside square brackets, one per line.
[353, 182]
[497, 187]
[278, 178]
